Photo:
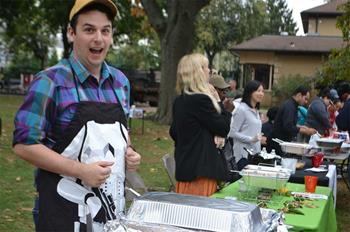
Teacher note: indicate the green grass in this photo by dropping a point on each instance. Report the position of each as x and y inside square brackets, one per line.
[16, 182]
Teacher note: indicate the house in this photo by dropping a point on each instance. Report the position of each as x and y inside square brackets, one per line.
[268, 58]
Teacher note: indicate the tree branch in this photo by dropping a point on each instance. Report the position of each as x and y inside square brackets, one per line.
[155, 16]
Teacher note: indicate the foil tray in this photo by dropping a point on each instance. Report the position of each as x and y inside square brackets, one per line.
[196, 213]
[295, 148]
[329, 143]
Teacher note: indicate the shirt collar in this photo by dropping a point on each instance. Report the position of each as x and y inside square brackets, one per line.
[83, 74]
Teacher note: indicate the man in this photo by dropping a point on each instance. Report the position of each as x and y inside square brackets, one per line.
[343, 118]
[222, 88]
[317, 114]
[285, 126]
[72, 126]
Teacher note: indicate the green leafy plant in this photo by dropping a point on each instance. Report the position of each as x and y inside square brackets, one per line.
[287, 84]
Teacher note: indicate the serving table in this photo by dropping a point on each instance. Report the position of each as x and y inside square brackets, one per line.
[322, 218]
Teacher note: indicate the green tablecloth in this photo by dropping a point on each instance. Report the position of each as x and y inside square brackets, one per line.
[319, 219]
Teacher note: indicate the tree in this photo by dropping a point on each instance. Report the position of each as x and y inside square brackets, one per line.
[254, 18]
[219, 26]
[173, 22]
[336, 69]
[279, 18]
[136, 56]
[30, 36]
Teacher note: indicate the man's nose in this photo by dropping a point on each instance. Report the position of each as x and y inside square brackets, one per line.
[98, 36]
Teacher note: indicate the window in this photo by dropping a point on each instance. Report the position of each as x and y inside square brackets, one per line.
[259, 72]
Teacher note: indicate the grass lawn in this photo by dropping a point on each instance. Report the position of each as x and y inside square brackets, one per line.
[16, 184]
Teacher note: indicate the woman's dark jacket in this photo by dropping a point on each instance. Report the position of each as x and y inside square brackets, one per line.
[195, 123]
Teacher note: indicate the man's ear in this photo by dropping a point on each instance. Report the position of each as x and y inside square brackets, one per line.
[70, 34]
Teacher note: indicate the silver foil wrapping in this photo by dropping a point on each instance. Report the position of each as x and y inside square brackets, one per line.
[196, 213]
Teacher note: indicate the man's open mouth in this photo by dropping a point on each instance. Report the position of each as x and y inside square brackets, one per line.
[96, 50]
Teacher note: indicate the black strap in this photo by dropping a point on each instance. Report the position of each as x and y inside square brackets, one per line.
[121, 130]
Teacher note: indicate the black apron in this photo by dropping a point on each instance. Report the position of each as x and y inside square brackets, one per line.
[97, 132]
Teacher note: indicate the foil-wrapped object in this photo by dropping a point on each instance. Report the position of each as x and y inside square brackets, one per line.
[196, 213]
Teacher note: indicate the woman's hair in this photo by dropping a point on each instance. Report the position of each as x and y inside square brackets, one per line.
[191, 78]
[249, 89]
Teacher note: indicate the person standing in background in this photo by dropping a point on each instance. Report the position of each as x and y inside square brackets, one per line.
[343, 118]
[285, 126]
[246, 123]
[267, 127]
[317, 114]
[73, 127]
[334, 108]
[222, 88]
[198, 120]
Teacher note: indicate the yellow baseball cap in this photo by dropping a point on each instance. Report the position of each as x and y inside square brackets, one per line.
[80, 4]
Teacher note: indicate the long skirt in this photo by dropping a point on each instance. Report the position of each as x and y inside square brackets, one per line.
[201, 186]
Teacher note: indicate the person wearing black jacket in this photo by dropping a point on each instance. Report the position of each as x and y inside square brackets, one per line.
[199, 127]
[285, 126]
[343, 118]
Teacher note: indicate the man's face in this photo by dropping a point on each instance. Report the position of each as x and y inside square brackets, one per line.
[222, 93]
[91, 39]
[303, 99]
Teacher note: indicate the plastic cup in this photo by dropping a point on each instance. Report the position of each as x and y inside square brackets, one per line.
[310, 183]
[289, 164]
[317, 159]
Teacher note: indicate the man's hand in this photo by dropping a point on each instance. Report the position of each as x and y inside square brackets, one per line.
[132, 159]
[95, 174]
[228, 104]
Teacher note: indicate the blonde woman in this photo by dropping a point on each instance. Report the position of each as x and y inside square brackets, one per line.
[198, 122]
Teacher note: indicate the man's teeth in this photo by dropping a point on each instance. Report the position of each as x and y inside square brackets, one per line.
[95, 50]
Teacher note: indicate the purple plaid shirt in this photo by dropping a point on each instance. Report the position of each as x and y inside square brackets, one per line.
[52, 97]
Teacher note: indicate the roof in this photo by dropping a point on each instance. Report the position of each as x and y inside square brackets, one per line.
[291, 44]
[326, 10]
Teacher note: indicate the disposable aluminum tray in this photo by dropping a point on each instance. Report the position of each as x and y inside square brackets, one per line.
[265, 177]
[194, 212]
[295, 148]
[329, 143]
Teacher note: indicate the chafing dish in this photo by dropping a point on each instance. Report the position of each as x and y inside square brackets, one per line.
[265, 177]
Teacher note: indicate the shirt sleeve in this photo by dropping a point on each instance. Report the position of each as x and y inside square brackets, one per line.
[37, 113]
[238, 119]
[217, 123]
[288, 116]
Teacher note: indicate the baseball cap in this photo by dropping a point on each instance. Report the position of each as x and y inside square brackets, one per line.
[218, 81]
[334, 94]
[80, 4]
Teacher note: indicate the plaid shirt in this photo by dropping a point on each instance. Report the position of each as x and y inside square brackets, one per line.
[52, 97]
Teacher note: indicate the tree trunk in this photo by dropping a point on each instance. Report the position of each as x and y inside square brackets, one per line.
[176, 34]
[173, 49]
[210, 56]
[65, 42]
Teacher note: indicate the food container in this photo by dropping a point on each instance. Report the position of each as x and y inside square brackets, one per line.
[196, 213]
[329, 143]
[265, 177]
[294, 148]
